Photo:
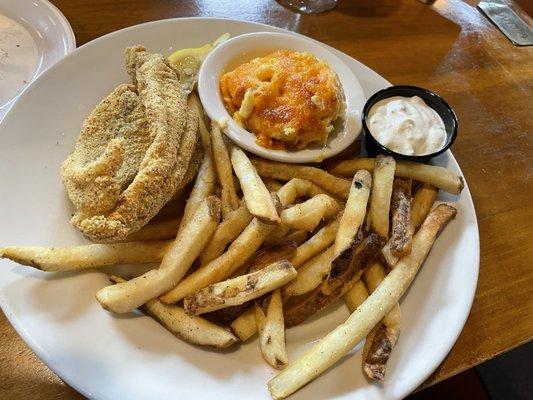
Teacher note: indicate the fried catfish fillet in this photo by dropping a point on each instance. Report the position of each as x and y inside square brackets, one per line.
[134, 151]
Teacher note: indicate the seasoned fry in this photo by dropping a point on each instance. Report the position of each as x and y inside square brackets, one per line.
[310, 274]
[190, 328]
[245, 326]
[156, 231]
[240, 250]
[401, 233]
[307, 215]
[343, 338]
[380, 197]
[54, 259]
[272, 332]
[272, 184]
[437, 176]
[285, 172]
[354, 212]
[226, 232]
[257, 197]
[204, 186]
[354, 262]
[421, 204]
[382, 339]
[318, 242]
[277, 235]
[189, 242]
[223, 167]
[239, 290]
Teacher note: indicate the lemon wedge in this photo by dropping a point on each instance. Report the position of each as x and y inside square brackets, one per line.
[188, 61]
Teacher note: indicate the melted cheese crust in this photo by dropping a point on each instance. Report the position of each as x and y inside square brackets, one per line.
[287, 99]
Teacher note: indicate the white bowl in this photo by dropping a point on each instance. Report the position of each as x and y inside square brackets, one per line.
[243, 48]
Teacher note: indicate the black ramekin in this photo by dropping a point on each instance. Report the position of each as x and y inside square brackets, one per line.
[373, 147]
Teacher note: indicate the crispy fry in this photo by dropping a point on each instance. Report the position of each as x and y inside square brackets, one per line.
[226, 232]
[355, 296]
[245, 326]
[54, 259]
[189, 242]
[271, 255]
[272, 332]
[354, 213]
[224, 170]
[205, 137]
[421, 204]
[297, 237]
[437, 176]
[310, 274]
[285, 172]
[354, 262]
[380, 342]
[190, 328]
[401, 235]
[277, 235]
[239, 290]
[378, 213]
[307, 215]
[318, 242]
[343, 338]
[240, 250]
[204, 186]
[156, 231]
[257, 197]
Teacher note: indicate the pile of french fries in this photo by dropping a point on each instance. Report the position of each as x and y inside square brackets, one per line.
[261, 246]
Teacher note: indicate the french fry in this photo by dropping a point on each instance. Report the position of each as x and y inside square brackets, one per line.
[401, 235]
[226, 232]
[354, 261]
[354, 212]
[229, 199]
[383, 337]
[156, 231]
[204, 186]
[297, 237]
[239, 290]
[55, 259]
[191, 239]
[436, 176]
[272, 332]
[310, 274]
[380, 196]
[421, 204]
[307, 215]
[245, 326]
[277, 235]
[257, 197]
[271, 255]
[356, 296]
[240, 250]
[316, 243]
[285, 172]
[272, 184]
[205, 137]
[190, 328]
[342, 339]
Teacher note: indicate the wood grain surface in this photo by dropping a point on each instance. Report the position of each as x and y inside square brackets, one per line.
[448, 47]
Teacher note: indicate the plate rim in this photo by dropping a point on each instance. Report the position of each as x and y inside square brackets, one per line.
[468, 297]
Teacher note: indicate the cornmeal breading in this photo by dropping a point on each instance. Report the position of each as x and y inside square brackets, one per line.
[134, 152]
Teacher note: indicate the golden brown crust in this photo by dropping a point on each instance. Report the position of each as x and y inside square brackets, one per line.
[401, 231]
[375, 361]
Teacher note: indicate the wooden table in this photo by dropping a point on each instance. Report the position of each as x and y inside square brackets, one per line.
[448, 47]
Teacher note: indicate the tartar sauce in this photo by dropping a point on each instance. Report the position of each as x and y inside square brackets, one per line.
[407, 125]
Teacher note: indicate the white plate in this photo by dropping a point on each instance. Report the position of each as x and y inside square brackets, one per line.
[34, 35]
[132, 357]
[245, 47]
